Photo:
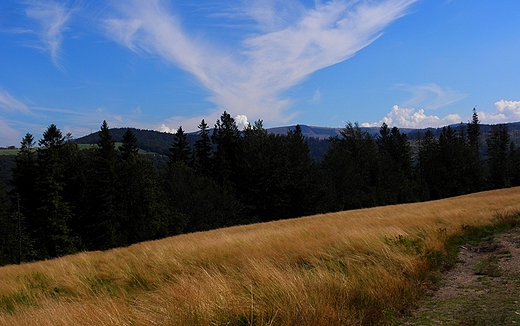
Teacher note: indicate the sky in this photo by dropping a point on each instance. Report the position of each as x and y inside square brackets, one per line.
[162, 64]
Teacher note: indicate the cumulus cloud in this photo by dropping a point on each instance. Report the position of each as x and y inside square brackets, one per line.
[241, 121]
[412, 118]
[505, 111]
[52, 18]
[412, 114]
[288, 43]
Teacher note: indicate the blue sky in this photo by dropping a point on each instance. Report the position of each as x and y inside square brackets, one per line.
[155, 64]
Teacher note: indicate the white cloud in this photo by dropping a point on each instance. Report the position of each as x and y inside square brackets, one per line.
[189, 124]
[412, 118]
[431, 96]
[9, 103]
[505, 111]
[291, 43]
[241, 121]
[52, 18]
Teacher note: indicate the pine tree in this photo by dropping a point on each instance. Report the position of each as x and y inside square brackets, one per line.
[226, 136]
[24, 177]
[498, 156]
[351, 165]
[396, 178]
[9, 233]
[180, 152]
[137, 198]
[50, 227]
[475, 169]
[129, 147]
[203, 149]
[102, 223]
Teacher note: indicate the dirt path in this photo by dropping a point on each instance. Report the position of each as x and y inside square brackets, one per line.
[482, 289]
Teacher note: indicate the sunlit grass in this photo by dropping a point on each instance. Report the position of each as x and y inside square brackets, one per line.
[348, 268]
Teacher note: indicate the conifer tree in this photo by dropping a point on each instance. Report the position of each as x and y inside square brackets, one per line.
[50, 226]
[129, 147]
[396, 180]
[24, 177]
[498, 156]
[351, 165]
[9, 249]
[180, 152]
[226, 136]
[475, 168]
[102, 223]
[137, 194]
[203, 149]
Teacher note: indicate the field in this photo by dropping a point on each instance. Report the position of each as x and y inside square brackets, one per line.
[358, 267]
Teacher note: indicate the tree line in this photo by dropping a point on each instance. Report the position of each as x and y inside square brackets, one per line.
[62, 199]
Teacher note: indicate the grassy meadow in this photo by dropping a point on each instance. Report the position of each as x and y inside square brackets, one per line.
[357, 267]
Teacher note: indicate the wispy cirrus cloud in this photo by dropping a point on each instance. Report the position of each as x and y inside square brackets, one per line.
[287, 43]
[52, 18]
[431, 96]
[10, 103]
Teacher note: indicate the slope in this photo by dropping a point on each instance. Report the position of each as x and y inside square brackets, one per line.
[348, 268]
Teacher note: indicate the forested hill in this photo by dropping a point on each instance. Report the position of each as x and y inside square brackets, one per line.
[61, 198]
[159, 142]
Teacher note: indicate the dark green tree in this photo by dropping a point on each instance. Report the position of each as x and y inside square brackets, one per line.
[304, 184]
[453, 163]
[396, 184]
[475, 168]
[498, 156]
[9, 244]
[181, 149]
[352, 170]
[427, 166]
[194, 202]
[203, 150]
[129, 147]
[50, 226]
[24, 178]
[262, 174]
[137, 194]
[226, 136]
[102, 221]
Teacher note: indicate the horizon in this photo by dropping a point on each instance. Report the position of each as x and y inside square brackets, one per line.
[159, 64]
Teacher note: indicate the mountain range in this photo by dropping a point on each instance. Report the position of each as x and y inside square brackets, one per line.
[159, 142]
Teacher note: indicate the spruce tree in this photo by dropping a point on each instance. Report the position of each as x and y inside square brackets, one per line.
[203, 149]
[50, 227]
[226, 136]
[129, 147]
[498, 156]
[475, 169]
[180, 152]
[102, 223]
[137, 200]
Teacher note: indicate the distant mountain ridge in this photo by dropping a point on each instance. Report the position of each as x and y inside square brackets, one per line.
[160, 142]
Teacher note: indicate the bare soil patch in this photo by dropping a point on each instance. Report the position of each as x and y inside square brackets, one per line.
[483, 288]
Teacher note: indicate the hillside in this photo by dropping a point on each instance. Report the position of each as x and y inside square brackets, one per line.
[357, 267]
[159, 142]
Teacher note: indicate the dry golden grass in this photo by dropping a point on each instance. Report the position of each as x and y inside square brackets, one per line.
[348, 268]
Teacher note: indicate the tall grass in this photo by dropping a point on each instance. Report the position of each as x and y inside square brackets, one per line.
[350, 268]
